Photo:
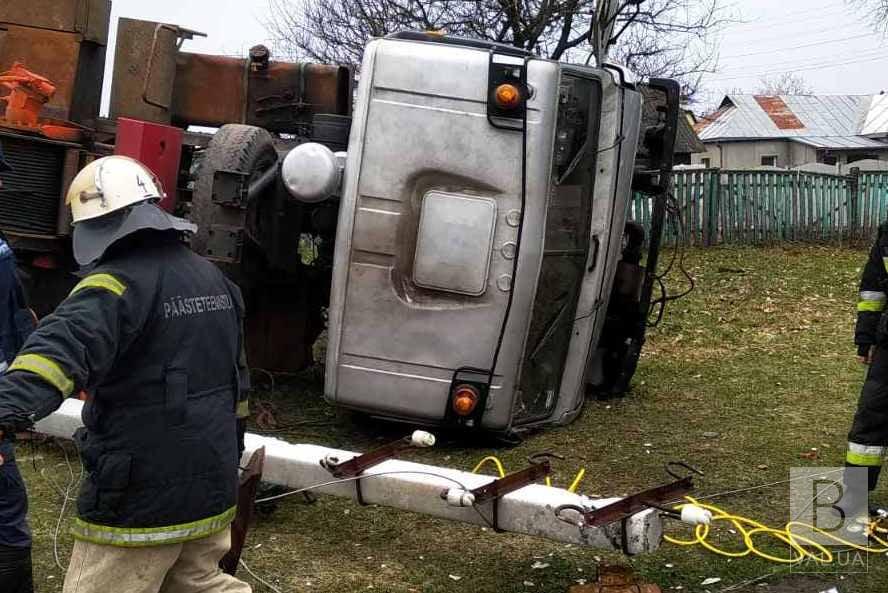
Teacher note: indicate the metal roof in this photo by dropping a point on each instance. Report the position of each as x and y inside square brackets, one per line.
[876, 122]
[795, 116]
[840, 142]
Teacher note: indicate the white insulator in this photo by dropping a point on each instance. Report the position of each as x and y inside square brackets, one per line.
[421, 438]
[457, 497]
[694, 515]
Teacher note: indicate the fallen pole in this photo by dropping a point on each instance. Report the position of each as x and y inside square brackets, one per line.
[418, 487]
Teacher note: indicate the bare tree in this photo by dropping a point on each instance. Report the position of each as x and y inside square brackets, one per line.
[876, 11]
[671, 38]
[787, 83]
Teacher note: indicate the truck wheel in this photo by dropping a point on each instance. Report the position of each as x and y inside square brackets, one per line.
[283, 311]
[235, 147]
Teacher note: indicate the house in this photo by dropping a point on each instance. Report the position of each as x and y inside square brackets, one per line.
[686, 140]
[795, 131]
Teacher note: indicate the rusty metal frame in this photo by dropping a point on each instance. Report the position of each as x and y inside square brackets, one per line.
[494, 491]
[360, 463]
[652, 498]
[181, 34]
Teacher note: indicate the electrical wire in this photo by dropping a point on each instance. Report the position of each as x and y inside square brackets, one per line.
[55, 533]
[511, 297]
[767, 485]
[65, 493]
[821, 66]
[356, 478]
[792, 63]
[376, 475]
[775, 50]
[676, 221]
[258, 579]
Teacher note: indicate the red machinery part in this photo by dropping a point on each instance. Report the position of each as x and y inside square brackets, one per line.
[158, 147]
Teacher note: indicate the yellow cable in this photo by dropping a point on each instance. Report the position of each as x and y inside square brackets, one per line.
[502, 472]
[801, 547]
[495, 461]
[576, 483]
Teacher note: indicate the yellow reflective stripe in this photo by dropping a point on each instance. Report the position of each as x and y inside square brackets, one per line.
[243, 408]
[863, 459]
[45, 368]
[874, 306]
[885, 263]
[103, 281]
[134, 537]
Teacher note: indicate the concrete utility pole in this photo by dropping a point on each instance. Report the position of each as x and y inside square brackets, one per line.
[606, 14]
[418, 488]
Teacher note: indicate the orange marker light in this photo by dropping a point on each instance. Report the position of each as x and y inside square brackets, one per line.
[465, 398]
[507, 96]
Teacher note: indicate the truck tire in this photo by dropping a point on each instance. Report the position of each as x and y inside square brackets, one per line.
[283, 313]
[235, 147]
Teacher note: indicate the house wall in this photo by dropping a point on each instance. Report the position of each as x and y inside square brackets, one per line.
[801, 154]
[745, 155]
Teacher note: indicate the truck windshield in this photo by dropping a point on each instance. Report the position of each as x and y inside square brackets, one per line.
[565, 249]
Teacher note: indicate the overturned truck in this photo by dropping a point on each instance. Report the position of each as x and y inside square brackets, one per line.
[463, 226]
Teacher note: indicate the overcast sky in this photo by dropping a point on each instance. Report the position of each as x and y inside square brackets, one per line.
[827, 42]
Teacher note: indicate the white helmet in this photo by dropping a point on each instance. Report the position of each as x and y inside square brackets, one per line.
[109, 184]
[111, 198]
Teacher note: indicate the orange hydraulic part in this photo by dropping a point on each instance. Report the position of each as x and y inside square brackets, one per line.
[28, 92]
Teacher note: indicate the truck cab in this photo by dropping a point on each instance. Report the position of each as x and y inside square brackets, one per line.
[481, 226]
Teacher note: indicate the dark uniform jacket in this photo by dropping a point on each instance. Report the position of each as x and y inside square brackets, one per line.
[872, 298]
[152, 335]
[14, 328]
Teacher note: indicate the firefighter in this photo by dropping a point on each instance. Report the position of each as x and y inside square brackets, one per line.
[15, 536]
[868, 438]
[152, 334]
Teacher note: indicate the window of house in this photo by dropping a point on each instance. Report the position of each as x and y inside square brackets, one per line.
[829, 159]
[706, 162]
[769, 160]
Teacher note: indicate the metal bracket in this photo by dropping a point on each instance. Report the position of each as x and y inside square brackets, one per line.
[230, 188]
[494, 491]
[224, 243]
[181, 34]
[635, 503]
[357, 465]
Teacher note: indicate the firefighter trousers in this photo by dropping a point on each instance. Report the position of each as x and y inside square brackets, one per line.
[868, 438]
[190, 567]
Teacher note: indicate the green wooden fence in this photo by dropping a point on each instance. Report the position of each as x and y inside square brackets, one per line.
[750, 207]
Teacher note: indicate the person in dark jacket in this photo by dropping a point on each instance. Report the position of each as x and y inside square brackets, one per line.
[868, 437]
[15, 536]
[152, 335]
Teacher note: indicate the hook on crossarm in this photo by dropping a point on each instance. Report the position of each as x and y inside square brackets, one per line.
[538, 458]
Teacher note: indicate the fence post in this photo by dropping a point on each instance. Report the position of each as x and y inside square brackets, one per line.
[710, 219]
[854, 201]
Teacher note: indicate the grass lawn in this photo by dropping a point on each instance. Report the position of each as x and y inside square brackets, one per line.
[761, 354]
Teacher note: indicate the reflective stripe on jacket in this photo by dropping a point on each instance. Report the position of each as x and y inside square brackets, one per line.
[153, 336]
